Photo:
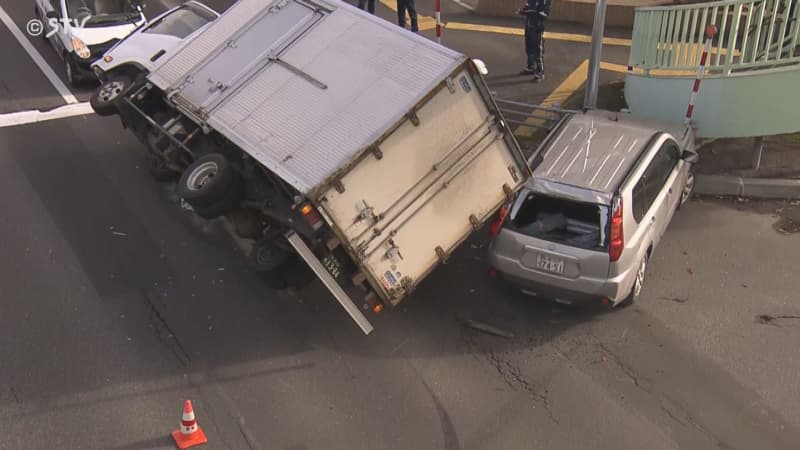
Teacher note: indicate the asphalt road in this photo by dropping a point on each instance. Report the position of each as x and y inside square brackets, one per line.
[115, 305]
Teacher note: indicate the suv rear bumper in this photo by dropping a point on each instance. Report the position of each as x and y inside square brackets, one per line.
[559, 289]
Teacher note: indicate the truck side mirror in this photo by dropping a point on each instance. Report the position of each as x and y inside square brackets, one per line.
[690, 157]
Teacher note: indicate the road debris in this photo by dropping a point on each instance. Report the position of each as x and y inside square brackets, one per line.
[119, 233]
[489, 329]
[689, 271]
[768, 319]
[675, 299]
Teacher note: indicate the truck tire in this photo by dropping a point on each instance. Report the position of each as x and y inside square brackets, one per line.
[223, 206]
[209, 182]
[103, 100]
[158, 169]
[267, 257]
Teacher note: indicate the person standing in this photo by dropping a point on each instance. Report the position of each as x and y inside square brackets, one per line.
[535, 12]
[370, 4]
[402, 6]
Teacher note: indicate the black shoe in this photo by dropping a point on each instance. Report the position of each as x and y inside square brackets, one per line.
[527, 72]
[538, 78]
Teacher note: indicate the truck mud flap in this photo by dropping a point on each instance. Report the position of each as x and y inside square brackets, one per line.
[308, 256]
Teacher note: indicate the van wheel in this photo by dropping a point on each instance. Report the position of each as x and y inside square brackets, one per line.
[638, 284]
[211, 186]
[104, 99]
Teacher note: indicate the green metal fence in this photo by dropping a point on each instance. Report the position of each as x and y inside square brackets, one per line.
[751, 34]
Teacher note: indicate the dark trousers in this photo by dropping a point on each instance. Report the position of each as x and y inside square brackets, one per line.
[369, 3]
[534, 48]
[402, 6]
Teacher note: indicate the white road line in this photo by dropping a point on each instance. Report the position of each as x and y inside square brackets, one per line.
[37, 58]
[34, 116]
[464, 5]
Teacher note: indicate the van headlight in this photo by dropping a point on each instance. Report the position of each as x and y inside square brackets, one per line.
[80, 48]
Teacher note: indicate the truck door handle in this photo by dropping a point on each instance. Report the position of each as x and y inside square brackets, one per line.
[652, 220]
[670, 190]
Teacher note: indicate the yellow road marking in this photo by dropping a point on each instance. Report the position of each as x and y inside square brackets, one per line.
[521, 32]
[429, 23]
[559, 96]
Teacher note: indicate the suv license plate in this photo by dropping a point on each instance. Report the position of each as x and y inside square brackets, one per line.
[550, 264]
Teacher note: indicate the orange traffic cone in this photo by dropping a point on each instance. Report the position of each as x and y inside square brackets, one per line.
[190, 433]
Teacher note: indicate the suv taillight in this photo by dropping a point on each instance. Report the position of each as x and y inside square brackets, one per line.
[617, 242]
[494, 229]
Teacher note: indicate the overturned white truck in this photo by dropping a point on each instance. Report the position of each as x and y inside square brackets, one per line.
[316, 128]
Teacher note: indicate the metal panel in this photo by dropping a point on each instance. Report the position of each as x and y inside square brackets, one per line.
[374, 74]
[247, 49]
[342, 297]
[594, 151]
[431, 185]
[173, 69]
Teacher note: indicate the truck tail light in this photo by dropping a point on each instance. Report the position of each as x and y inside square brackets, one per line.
[373, 303]
[617, 242]
[497, 225]
[311, 215]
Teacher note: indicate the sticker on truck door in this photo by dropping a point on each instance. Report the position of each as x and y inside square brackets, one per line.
[465, 84]
[388, 279]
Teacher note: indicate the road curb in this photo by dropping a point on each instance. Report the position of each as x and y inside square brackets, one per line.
[747, 187]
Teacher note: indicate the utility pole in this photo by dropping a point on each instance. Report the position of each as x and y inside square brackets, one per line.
[593, 77]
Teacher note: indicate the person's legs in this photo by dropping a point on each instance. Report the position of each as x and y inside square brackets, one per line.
[412, 11]
[530, 61]
[538, 53]
[361, 4]
[371, 6]
[401, 13]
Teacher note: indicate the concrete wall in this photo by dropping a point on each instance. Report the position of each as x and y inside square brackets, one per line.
[754, 103]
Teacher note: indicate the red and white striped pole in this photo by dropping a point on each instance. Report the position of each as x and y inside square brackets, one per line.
[711, 31]
[439, 21]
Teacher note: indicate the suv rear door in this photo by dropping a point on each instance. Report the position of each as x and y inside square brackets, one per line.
[558, 236]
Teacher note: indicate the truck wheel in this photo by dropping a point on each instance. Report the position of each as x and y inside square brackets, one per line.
[104, 98]
[267, 257]
[223, 206]
[158, 169]
[209, 182]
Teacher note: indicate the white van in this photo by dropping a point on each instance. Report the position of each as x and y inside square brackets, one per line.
[82, 30]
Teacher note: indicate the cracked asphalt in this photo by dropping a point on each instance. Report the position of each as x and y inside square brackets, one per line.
[115, 306]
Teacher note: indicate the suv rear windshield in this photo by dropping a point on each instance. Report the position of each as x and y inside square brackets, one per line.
[582, 225]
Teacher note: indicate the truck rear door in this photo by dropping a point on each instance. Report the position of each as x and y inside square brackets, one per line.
[426, 185]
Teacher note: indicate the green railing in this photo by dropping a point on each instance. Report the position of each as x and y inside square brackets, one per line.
[752, 34]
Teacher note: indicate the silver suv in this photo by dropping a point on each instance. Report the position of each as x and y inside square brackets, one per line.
[603, 191]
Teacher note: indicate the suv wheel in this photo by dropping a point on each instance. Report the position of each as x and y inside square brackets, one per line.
[638, 283]
[688, 189]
